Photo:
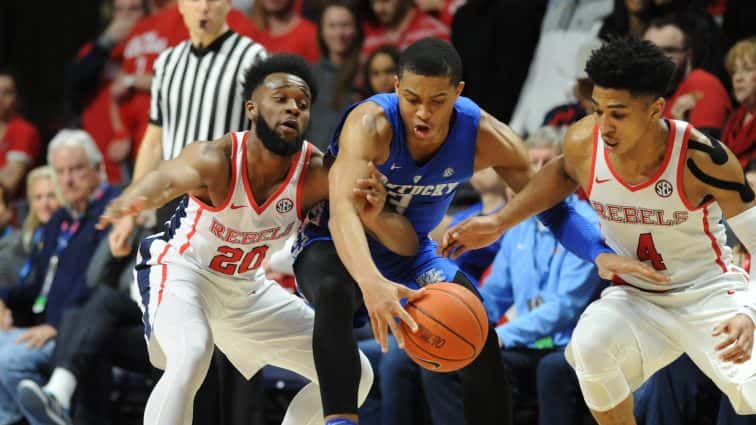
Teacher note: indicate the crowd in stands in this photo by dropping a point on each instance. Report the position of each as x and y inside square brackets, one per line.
[68, 322]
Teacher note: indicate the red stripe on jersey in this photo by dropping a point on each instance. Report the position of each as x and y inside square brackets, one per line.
[164, 276]
[192, 232]
[231, 186]
[250, 196]
[593, 161]
[714, 243]
[659, 172]
[308, 153]
[681, 169]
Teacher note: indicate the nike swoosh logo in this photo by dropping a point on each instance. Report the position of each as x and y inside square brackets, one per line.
[432, 365]
[599, 181]
[236, 207]
[394, 166]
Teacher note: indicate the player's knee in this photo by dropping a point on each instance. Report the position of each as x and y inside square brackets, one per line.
[602, 354]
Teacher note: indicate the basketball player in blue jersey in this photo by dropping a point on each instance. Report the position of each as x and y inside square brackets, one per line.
[426, 139]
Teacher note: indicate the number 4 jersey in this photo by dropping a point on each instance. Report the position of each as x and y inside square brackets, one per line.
[654, 221]
[234, 238]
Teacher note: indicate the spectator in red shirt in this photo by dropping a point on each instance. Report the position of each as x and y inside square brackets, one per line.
[399, 23]
[19, 140]
[740, 132]
[150, 37]
[695, 95]
[443, 10]
[281, 29]
[89, 80]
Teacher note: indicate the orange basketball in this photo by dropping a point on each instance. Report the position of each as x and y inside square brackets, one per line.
[452, 328]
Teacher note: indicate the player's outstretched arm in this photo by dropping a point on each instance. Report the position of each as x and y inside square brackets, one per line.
[391, 229]
[499, 147]
[364, 130]
[189, 171]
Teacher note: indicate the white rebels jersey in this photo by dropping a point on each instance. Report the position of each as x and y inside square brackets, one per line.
[234, 238]
[654, 222]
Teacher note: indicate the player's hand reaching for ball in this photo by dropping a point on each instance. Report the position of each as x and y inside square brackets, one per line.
[119, 207]
[372, 192]
[738, 343]
[472, 233]
[610, 265]
[382, 303]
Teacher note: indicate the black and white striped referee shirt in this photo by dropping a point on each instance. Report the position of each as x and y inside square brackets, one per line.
[197, 93]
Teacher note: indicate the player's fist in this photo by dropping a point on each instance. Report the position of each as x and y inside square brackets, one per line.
[119, 207]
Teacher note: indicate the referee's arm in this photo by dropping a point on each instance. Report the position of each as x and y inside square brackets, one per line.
[150, 151]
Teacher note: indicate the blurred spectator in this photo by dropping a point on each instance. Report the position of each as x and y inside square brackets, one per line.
[695, 95]
[629, 17]
[703, 35]
[6, 215]
[340, 38]
[88, 82]
[739, 133]
[15, 250]
[31, 311]
[86, 350]
[494, 81]
[563, 116]
[280, 28]
[443, 10]
[399, 23]
[379, 71]
[19, 140]
[149, 38]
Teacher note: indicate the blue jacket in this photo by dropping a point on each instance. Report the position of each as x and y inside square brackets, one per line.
[549, 286]
[474, 262]
[69, 286]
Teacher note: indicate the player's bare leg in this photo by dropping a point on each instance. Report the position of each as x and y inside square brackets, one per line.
[622, 414]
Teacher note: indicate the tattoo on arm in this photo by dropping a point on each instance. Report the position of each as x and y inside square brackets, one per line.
[719, 156]
[716, 151]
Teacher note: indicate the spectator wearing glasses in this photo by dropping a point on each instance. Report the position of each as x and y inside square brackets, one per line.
[694, 95]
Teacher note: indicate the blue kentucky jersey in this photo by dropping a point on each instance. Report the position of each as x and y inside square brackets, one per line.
[423, 192]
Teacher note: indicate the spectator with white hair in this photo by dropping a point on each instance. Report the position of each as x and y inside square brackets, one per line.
[30, 311]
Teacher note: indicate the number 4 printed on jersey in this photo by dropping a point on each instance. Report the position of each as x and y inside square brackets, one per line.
[647, 251]
[227, 260]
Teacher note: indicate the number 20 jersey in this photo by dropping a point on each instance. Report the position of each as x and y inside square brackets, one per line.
[234, 238]
[655, 222]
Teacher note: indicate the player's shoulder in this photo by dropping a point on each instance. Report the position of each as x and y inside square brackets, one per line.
[711, 156]
[370, 118]
[578, 141]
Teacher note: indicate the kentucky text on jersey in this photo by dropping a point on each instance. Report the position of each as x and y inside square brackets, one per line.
[424, 190]
[227, 234]
[635, 215]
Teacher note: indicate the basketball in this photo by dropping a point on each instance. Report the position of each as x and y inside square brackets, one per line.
[452, 328]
